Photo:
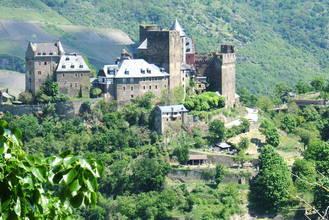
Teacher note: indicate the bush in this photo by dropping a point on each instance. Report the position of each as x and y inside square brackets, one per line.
[25, 97]
[205, 102]
[95, 92]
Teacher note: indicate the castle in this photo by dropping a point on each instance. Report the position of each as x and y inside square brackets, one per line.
[49, 61]
[165, 59]
[129, 78]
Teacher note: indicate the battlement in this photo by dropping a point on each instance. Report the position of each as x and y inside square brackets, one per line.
[227, 48]
[228, 58]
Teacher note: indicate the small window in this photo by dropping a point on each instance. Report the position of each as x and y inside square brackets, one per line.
[39, 72]
[63, 74]
[63, 66]
[126, 72]
[132, 88]
[150, 87]
[67, 58]
[132, 96]
[44, 53]
[144, 87]
[81, 74]
[142, 71]
[148, 71]
[156, 87]
[124, 88]
[51, 53]
[72, 66]
[188, 50]
[81, 66]
[71, 85]
[39, 54]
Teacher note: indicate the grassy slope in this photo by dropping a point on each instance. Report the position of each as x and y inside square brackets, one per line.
[282, 40]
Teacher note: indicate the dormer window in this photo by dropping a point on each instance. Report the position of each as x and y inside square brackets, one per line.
[72, 66]
[188, 50]
[126, 72]
[43, 53]
[50, 53]
[39, 54]
[63, 66]
[81, 66]
[142, 71]
[67, 58]
[188, 43]
[148, 71]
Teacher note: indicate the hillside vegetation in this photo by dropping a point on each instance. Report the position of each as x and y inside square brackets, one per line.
[276, 40]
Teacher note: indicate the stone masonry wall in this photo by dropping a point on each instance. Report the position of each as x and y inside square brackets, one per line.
[71, 83]
[127, 91]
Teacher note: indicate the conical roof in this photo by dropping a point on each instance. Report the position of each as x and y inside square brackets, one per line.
[143, 45]
[177, 27]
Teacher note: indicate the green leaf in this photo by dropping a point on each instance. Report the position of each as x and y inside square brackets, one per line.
[77, 200]
[69, 160]
[17, 207]
[75, 186]
[70, 176]
[89, 185]
[56, 161]
[37, 173]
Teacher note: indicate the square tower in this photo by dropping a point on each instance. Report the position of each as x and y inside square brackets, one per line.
[221, 74]
[164, 49]
[41, 63]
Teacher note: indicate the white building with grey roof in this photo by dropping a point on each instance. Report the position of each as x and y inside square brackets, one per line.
[130, 78]
[169, 117]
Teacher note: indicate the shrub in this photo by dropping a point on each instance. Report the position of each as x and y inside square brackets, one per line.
[95, 92]
[25, 97]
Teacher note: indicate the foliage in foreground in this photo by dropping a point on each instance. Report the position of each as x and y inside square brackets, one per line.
[36, 187]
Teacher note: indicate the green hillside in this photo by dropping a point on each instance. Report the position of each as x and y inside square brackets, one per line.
[283, 40]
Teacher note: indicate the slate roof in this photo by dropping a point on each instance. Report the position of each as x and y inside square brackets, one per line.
[133, 68]
[72, 63]
[177, 27]
[223, 145]
[47, 49]
[172, 108]
[197, 157]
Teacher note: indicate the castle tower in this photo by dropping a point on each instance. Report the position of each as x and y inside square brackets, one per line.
[221, 74]
[177, 27]
[41, 62]
[162, 48]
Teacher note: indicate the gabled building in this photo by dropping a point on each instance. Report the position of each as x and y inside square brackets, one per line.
[130, 78]
[49, 61]
[73, 76]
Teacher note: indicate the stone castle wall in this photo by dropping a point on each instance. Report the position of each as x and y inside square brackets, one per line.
[63, 109]
[74, 84]
[38, 70]
[130, 90]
